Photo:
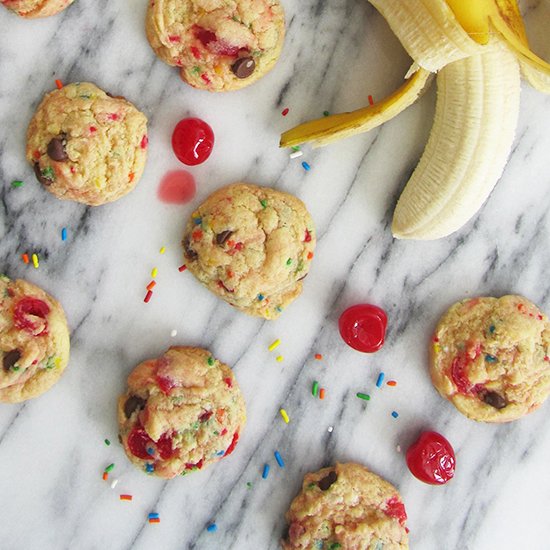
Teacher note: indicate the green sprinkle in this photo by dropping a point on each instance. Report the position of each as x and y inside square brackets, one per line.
[196, 70]
[50, 364]
[315, 388]
[195, 426]
[256, 53]
[312, 485]
[295, 147]
[215, 432]
[263, 202]
[334, 546]
[235, 18]
[110, 468]
[210, 361]
[16, 183]
[326, 113]
[289, 261]
[48, 173]
[364, 396]
[85, 96]
[107, 442]
[249, 485]
[14, 368]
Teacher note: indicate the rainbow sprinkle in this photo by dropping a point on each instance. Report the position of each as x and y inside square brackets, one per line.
[265, 472]
[380, 380]
[285, 416]
[275, 344]
[153, 515]
[154, 520]
[279, 459]
[363, 396]
[126, 497]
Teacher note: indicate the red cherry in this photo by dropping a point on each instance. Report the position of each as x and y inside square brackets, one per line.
[192, 141]
[138, 443]
[164, 447]
[431, 459]
[27, 312]
[363, 327]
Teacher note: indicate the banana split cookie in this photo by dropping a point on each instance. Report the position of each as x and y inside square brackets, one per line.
[490, 357]
[34, 340]
[86, 145]
[218, 45]
[346, 507]
[181, 412]
[36, 8]
[252, 246]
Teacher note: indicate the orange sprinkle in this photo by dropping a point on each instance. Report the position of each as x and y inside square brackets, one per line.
[126, 497]
[131, 176]
[59, 84]
[25, 258]
[105, 476]
[318, 356]
[322, 393]
[391, 383]
[154, 520]
[151, 285]
[309, 255]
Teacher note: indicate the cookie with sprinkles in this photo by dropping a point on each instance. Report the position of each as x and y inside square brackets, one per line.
[86, 145]
[30, 9]
[218, 45]
[34, 340]
[252, 246]
[182, 412]
[346, 506]
[490, 357]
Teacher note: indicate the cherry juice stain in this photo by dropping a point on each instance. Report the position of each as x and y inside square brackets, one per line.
[177, 187]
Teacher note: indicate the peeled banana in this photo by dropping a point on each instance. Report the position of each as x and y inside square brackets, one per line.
[477, 48]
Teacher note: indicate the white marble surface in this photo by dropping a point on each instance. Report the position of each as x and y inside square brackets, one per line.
[336, 53]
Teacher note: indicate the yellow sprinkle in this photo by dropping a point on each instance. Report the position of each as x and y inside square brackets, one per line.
[279, 358]
[162, 250]
[285, 416]
[154, 272]
[437, 348]
[57, 362]
[274, 344]
[35, 261]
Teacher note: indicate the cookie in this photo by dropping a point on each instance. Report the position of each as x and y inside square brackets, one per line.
[86, 145]
[181, 412]
[252, 246]
[30, 9]
[34, 340]
[346, 507]
[218, 45]
[490, 357]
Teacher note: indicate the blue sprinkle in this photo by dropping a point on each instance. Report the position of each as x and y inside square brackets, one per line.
[395, 414]
[220, 453]
[279, 309]
[153, 515]
[491, 359]
[64, 234]
[265, 473]
[380, 380]
[212, 528]
[150, 451]
[261, 297]
[492, 329]
[149, 468]
[279, 459]
[197, 221]
[306, 166]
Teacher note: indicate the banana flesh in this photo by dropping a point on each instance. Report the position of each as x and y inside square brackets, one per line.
[475, 120]
[327, 129]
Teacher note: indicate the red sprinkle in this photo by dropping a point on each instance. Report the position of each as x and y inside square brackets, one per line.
[309, 255]
[371, 101]
[197, 234]
[391, 383]
[239, 246]
[205, 78]
[195, 52]
[174, 38]
[233, 444]
[318, 356]
[25, 258]
[131, 177]
[126, 497]
[154, 520]
[182, 268]
[144, 142]
[36, 154]
[59, 84]
[285, 111]
[93, 129]
[148, 296]
[307, 237]
[229, 382]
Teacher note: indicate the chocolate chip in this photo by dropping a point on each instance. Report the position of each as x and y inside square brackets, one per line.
[10, 359]
[327, 481]
[56, 149]
[302, 278]
[115, 96]
[133, 403]
[495, 400]
[120, 439]
[41, 177]
[190, 254]
[223, 236]
[243, 67]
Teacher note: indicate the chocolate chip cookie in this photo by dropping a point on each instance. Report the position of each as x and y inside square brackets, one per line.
[490, 357]
[252, 246]
[86, 145]
[346, 506]
[182, 412]
[34, 340]
[218, 45]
